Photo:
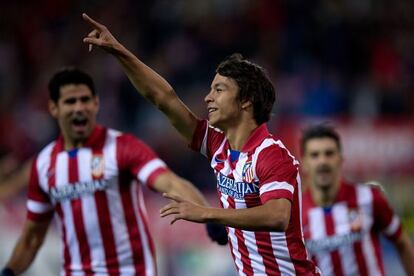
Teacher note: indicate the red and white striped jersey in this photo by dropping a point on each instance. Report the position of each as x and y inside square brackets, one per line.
[263, 170]
[343, 239]
[94, 193]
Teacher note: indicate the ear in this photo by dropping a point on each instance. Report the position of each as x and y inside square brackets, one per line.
[53, 109]
[96, 102]
[246, 104]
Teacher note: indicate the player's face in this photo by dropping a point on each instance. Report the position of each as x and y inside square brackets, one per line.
[222, 103]
[75, 111]
[322, 161]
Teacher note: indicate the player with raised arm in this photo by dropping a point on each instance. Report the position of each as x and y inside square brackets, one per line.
[257, 178]
[342, 220]
[90, 179]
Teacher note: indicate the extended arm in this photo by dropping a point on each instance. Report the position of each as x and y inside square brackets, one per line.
[27, 245]
[147, 82]
[274, 215]
[406, 251]
[173, 184]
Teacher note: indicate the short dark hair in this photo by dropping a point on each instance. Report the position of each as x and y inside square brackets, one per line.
[68, 75]
[319, 131]
[254, 85]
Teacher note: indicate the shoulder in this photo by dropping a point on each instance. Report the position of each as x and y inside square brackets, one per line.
[273, 151]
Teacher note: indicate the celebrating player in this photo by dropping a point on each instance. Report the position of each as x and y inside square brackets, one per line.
[342, 220]
[257, 178]
[88, 178]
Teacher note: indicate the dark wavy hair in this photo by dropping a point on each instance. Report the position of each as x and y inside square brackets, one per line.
[253, 82]
[68, 75]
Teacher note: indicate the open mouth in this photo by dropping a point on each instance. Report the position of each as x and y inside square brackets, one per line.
[211, 110]
[79, 124]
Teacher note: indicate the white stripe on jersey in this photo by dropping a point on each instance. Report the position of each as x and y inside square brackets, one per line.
[42, 166]
[256, 260]
[281, 253]
[90, 213]
[220, 150]
[203, 149]
[318, 232]
[342, 227]
[38, 207]
[116, 210]
[393, 226]
[62, 178]
[149, 262]
[149, 168]
[272, 186]
[365, 202]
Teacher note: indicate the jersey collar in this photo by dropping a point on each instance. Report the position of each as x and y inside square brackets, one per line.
[256, 138]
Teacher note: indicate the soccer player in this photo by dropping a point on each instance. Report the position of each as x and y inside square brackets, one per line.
[342, 220]
[257, 178]
[88, 178]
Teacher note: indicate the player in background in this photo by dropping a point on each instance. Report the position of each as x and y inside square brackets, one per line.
[257, 178]
[342, 220]
[90, 179]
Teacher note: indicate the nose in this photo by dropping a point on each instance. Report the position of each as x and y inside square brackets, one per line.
[208, 98]
[79, 106]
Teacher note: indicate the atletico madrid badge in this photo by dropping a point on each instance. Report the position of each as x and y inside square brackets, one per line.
[97, 165]
[247, 173]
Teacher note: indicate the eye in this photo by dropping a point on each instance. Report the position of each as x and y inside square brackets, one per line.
[314, 154]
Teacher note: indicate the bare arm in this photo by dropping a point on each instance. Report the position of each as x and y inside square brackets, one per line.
[173, 184]
[27, 245]
[406, 251]
[16, 182]
[147, 82]
[274, 215]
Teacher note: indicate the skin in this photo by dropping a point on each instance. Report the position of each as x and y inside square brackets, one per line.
[77, 104]
[234, 118]
[322, 162]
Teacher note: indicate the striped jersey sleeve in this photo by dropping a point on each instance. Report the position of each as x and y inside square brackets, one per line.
[136, 157]
[385, 218]
[206, 139]
[277, 174]
[39, 206]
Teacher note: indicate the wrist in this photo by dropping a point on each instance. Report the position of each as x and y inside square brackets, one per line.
[209, 215]
[7, 272]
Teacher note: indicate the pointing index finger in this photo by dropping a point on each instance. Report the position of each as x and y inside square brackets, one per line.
[92, 22]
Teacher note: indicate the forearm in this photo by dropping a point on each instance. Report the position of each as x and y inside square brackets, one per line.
[23, 254]
[148, 83]
[406, 251]
[188, 191]
[260, 218]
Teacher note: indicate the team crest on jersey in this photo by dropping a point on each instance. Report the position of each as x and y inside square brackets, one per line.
[355, 220]
[247, 172]
[97, 165]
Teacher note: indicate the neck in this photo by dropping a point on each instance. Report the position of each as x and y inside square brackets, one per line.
[325, 196]
[238, 134]
[71, 144]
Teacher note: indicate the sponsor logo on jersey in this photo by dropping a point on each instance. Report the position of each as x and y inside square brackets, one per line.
[78, 189]
[238, 190]
[332, 243]
[97, 165]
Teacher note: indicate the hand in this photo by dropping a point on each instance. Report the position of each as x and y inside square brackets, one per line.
[217, 233]
[182, 209]
[100, 36]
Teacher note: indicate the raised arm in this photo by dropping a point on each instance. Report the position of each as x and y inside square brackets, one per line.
[147, 82]
[27, 245]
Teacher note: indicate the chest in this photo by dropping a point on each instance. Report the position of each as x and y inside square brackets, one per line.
[236, 174]
[72, 174]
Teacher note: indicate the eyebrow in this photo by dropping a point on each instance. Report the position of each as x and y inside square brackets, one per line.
[219, 84]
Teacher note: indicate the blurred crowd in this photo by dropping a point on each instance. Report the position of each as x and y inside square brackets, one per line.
[344, 58]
